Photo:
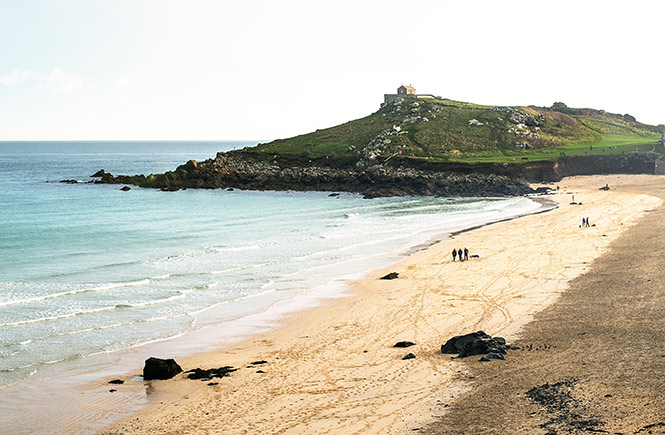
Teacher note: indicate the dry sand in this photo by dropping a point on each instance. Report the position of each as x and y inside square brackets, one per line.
[332, 369]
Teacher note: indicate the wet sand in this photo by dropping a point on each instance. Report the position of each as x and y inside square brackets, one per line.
[332, 369]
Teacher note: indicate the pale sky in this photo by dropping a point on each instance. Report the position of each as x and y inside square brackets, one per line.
[253, 69]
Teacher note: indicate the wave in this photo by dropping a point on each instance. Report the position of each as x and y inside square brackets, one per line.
[61, 316]
[235, 269]
[153, 302]
[228, 301]
[109, 286]
[236, 249]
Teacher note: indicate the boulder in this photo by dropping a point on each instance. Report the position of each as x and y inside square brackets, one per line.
[99, 173]
[125, 188]
[475, 343]
[157, 368]
[404, 344]
[117, 381]
[408, 356]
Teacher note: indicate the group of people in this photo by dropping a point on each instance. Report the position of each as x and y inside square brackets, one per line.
[585, 222]
[462, 255]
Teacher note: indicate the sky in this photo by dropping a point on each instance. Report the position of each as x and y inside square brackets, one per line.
[263, 70]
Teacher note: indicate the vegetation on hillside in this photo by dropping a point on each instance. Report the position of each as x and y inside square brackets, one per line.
[441, 130]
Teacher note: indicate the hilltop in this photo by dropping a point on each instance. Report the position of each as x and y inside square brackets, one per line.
[442, 130]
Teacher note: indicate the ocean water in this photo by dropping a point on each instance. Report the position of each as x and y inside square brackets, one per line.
[88, 272]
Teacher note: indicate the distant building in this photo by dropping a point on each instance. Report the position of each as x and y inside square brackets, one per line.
[404, 92]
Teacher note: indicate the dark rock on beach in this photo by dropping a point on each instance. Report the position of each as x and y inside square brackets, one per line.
[156, 368]
[404, 344]
[206, 375]
[492, 355]
[542, 190]
[99, 173]
[475, 343]
[117, 381]
[125, 188]
[391, 275]
[409, 356]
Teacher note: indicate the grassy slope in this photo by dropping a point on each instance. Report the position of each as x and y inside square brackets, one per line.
[441, 132]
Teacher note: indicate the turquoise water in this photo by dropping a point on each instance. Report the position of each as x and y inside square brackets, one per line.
[88, 270]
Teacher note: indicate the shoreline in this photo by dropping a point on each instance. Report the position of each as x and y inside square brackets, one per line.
[326, 388]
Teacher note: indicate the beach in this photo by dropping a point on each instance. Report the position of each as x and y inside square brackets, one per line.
[333, 368]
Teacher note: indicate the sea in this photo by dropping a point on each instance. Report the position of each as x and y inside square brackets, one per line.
[93, 280]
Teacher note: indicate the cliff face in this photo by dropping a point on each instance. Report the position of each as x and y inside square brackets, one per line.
[246, 171]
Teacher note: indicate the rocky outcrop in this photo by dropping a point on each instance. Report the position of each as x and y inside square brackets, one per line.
[255, 171]
[235, 170]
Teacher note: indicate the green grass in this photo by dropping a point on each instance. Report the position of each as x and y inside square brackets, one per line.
[448, 137]
[607, 144]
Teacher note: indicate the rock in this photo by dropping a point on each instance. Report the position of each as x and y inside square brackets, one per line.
[156, 368]
[99, 173]
[206, 375]
[125, 188]
[112, 390]
[117, 381]
[391, 275]
[69, 181]
[258, 363]
[333, 194]
[542, 189]
[199, 373]
[408, 356]
[404, 344]
[475, 343]
[492, 355]
[606, 187]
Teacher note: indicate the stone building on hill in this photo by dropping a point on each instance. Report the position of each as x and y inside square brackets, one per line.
[402, 93]
[406, 90]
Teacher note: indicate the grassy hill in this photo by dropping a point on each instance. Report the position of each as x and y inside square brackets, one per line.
[441, 130]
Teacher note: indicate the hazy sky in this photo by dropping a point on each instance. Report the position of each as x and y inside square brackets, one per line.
[251, 69]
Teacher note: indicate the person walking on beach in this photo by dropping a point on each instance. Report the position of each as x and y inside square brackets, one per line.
[455, 254]
[466, 254]
[583, 222]
[587, 222]
[459, 254]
